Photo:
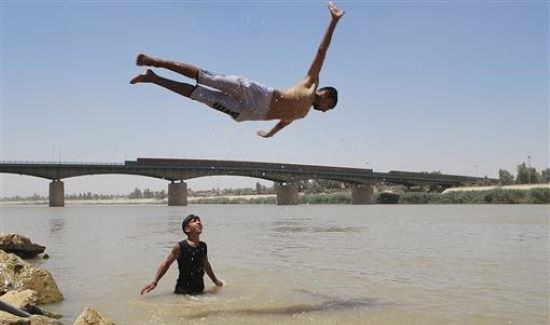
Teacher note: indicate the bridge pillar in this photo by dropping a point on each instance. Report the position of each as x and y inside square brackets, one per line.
[362, 194]
[177, 194]
[57, 193]
[287, 194]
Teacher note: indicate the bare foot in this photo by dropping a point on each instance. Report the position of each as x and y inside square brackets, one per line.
[143, 59]
[148, 76]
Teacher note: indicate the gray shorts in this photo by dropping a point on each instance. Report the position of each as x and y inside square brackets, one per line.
[239, 97]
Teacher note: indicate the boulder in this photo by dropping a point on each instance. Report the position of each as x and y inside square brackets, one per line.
[20, 245]
[27, 301]
[16, 274]
[9, 319]
[90, 316]
[20, 298]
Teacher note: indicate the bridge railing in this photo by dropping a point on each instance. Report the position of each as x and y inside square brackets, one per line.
[78, 163]
[228, 164]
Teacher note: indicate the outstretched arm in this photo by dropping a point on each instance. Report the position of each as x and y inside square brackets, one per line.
[275, 129]
[164, 266]
[313, 73]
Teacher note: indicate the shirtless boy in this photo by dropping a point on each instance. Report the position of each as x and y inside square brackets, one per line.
[244, 99]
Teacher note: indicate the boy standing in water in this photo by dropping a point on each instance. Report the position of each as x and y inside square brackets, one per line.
[192, 258]
[244, 99]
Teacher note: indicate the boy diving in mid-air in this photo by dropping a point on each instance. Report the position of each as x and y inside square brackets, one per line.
[244, 99]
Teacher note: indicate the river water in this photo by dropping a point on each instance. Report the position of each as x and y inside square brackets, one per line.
[323, 264]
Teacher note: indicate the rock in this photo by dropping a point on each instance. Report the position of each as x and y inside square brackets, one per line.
[9, 319]
[27, 301]
[16, 274]
[20, 245]
[90, 316]
[13, 310]
[20, 298]
[35, 310]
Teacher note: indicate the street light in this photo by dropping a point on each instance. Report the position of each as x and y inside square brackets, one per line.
[58, 151]
[529, 169]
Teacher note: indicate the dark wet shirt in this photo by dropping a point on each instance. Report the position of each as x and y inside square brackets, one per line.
[191, 267]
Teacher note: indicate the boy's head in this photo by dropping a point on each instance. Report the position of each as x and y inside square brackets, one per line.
[326, 99]
[191, 224]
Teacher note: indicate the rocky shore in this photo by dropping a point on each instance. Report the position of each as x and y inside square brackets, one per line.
[24, 288]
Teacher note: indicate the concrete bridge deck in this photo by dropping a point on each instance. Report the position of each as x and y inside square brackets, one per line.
[178, 170]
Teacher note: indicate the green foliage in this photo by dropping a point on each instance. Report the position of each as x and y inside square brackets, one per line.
[418, 198]
[387, 198]
[243, 200]
[319, 186]
[495, 196]
[319, 198]
[506, 178]
[539, 196]
[325, 198]
[136, 194]
[527, 175]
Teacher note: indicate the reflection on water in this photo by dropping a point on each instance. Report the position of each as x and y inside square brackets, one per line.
[308, 225]
[331, 305]
[56, 226]
[318, 229]
[302, 264]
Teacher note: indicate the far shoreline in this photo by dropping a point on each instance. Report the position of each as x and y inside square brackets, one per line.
[513, 194]
[128, 201]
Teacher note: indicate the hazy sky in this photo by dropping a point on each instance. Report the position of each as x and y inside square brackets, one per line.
[455, 86]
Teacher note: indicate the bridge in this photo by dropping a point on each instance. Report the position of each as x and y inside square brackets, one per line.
[177, 171]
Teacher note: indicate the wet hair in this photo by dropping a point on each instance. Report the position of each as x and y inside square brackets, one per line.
[187, 220]
[332, 94]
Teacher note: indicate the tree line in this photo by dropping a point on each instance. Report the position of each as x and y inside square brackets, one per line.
[524, 175]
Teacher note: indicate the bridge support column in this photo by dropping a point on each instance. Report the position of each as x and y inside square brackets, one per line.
[362, 194]
[57, 193]
[177, 194]
[287, 194]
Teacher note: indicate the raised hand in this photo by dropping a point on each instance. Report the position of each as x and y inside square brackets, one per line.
[263, 133]
[335, 12]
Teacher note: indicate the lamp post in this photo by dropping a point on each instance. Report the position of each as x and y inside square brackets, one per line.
[58, 151]
[529, 169]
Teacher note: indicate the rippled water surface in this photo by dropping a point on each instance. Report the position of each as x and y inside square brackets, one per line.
[302, 264]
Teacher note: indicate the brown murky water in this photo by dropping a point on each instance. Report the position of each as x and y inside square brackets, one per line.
[302, 264]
